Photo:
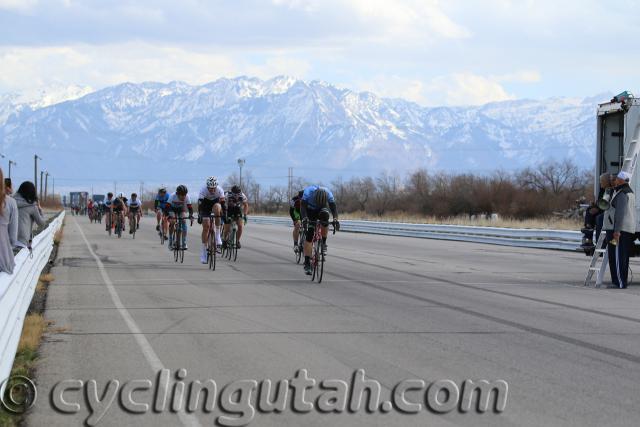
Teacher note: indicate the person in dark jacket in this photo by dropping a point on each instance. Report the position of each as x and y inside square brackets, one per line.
[8, 229]
[594, 216]
[620, 225]
[28, 213]
[8, 187]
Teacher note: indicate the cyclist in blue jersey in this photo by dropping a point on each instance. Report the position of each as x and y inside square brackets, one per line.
[107, 210]
[160, 203]
[178, 205]
[135, 209]
[315, 205]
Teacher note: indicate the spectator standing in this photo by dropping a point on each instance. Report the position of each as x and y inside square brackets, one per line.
[8, 228]
[620, 225]
[28, 212]
[594, 216]
[8, 187]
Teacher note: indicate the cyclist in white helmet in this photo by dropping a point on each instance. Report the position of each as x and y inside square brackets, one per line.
[210, 199]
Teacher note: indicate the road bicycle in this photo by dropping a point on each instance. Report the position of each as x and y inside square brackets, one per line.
[212, 247]
[178, 247]
[231, 243]
[317, 254]
[108, 222]
[133, 224]
[119, 224]
[299, 250]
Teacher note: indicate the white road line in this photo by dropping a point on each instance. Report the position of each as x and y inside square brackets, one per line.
[154, 361]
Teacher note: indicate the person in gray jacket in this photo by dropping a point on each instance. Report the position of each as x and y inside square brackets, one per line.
[29, 212]
[8, 229]
[620, 225]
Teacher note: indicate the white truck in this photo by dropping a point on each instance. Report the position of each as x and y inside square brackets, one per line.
[618, 125]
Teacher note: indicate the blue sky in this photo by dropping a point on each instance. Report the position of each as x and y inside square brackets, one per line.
[432, 52]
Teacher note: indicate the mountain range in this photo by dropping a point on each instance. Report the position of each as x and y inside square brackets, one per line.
[160, 132]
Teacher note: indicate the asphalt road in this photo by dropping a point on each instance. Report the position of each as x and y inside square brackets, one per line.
[398, 308]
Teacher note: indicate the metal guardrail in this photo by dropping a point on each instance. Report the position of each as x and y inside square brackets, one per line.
[16, 292]
[528, 238]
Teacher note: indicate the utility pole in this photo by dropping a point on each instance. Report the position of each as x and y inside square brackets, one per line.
[290, 186]
[241, 163]
[35, 171]
[46, 184]
[11, 162]
[141, 190]
[41, 186]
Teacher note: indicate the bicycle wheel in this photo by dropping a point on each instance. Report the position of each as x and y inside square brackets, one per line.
[119, 228]
[212, 249]
[228, 253]
[234, 239]
[109, 226]
[300, 246]
[320, 262]
[133, 226]
[176, 246]
[314, 260]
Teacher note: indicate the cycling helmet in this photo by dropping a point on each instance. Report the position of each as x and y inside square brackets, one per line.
[300, 193]
[133, 195]
[236, 189]
[212, 182]
[109, 194]
[182, 189]
[120, 195]
[162, 190]
[321, 197]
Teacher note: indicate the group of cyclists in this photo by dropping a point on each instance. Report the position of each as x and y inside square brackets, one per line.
[220, 209]
[215, 207]
[117, 208]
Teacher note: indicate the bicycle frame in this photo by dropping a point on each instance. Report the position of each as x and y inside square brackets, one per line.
[317, 254]
[211, 241]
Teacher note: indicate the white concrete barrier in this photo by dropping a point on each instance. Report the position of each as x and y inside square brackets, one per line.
[16, 292]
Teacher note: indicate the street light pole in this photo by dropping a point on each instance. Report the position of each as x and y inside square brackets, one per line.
[241, 163]
[46, 184]
[35, 171]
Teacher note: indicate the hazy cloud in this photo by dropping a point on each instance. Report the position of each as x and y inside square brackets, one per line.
[427, 51]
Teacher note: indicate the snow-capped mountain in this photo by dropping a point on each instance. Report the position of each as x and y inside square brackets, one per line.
[39, 98]
[166, 131]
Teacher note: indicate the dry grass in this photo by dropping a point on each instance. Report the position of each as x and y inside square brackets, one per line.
[44, 281]
[51, 203]
[57, 238]
[34, 327]
[547, 223]
[47, 277]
